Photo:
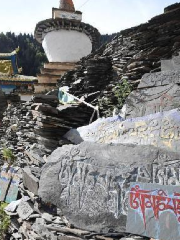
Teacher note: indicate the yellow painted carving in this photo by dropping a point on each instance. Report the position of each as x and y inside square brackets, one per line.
[168, 143]
[6, 67]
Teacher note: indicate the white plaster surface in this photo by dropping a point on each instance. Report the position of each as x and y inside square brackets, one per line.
[66, 45]
[57, 13]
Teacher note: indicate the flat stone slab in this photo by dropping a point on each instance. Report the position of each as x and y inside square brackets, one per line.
[90, 182]
[154, 211]
[160, 130]
[143, 102]
[9, 182]
[157, 92]
[30, 181]
[171, 64]
[94, 131]
[24, 210]
[159, 79]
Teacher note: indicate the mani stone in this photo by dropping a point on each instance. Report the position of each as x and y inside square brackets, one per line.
[154, 211]
[171, 64]
[161, 130]
[90, 182]
[9, 182]
[157, 92]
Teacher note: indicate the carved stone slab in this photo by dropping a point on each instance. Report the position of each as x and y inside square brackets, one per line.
[94, 131]
[145, 101]
[13, 188]
[5, 178]
[154, 211]
[160, 129]
[170, 65]
[90, 182]
[159, 79]
[9, 181]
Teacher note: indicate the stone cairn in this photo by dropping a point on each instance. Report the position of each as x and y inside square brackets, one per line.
[75, 178]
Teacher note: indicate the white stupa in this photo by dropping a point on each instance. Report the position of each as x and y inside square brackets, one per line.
[65, 39]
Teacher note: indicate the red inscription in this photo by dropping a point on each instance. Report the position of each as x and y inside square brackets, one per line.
[157, 200]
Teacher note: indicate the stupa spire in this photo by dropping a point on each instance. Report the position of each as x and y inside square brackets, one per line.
[67, 5]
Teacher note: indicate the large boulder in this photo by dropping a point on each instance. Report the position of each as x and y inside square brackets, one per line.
[90, 182]
[160, 130]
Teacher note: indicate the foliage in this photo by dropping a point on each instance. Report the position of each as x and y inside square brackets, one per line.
[122, 91]
[4, 221]
[31, 55]
[8, 155]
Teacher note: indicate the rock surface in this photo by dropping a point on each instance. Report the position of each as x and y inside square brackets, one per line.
[161, 130]
[90, 182]
[156, 92]
[3, 104]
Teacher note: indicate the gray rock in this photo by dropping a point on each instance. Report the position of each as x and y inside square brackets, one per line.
[30, 181]
[154, 211]
[159, 79]
[160, 130]
[94, 131]
[170, 65]
[145, 101]
[90, 182]
[24, 210]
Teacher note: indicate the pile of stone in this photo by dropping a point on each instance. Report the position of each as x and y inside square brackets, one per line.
[3, 104]
[34, 129]
[132, 53]
[123, 175]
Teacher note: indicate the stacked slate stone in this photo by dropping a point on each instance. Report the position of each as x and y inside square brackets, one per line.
[17, 132]
[3, 104]
[53, 120]
[132, 53]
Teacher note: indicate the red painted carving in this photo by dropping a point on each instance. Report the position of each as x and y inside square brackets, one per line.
[157, 200]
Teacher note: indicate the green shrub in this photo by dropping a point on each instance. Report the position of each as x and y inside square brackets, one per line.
[8, 156]
[122, 91]
[4, 221]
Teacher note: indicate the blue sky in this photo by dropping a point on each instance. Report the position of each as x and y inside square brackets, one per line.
[108, 16]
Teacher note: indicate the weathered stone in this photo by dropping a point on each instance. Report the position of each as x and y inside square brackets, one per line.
[9, 181]
[30, 181]
[160, 130]
[94, 131]
[24, 210]
[3, 103]
[5, 179]
[171, 65]
[90, 182]
[154, 211]
[159, 79]
[147, 101]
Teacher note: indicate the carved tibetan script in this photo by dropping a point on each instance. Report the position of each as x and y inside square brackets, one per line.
[154, 211]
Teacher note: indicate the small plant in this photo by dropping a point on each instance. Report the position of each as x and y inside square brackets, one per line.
[8, 156]
[122, 91]
[4, 221]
